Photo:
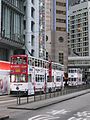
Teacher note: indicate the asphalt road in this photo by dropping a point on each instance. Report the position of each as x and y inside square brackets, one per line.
[73, 109]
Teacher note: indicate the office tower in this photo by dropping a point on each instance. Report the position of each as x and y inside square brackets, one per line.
[56, 36]
[78, 28]
[11, 28]
[35, 28]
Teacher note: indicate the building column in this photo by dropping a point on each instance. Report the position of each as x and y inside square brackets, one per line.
[28, 27]
[0, 16]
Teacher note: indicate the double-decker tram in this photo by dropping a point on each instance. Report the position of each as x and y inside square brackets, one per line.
[33, 74]
[75, 77]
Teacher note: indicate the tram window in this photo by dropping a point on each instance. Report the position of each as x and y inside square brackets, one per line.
[36, 78]
[43, 78]
[32, 62]
[24, 61]
[75, 71]
[58, 78]
[40, 78]
[12, 60]
[53, 66]
[19, 60]
[47, 65]
[23, 78]
[40, 63]
[52, 78]
[17, 78]
[43, 64]
[15, 61]
[12, 78]
[47, 78]
[35, 62]
[29, 78]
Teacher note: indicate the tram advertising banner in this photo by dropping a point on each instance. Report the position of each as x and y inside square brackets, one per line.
[4, 82]
[19, 69]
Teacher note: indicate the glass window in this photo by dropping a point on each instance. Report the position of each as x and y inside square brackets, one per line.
[12, 78]
[12, 23]
[29, 78]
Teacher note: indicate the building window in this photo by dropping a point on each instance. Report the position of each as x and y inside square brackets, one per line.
[61, 58]
[12, 24]
[24, 23]
[32, 40]
[46, 55]
[61, 39]
[60, 29]
[32, 52]
[60, 20]
[32, 12]
[32, 1]
[32, 26]
[46, 38]
[61, 4]
[61, 12]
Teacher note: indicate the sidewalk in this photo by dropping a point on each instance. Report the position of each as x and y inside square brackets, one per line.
[39, 104]
[3, 116]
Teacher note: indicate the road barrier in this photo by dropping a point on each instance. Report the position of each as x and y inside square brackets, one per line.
[42, 96]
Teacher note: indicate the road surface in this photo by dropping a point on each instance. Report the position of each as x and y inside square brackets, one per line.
[74, 109]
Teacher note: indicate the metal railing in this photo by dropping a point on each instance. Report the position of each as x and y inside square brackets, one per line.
[25, 98]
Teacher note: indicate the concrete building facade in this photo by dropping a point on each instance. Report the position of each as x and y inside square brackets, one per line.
[31, 30]
[78, 28]
[56, 42]
[11, 28]
[35, 28]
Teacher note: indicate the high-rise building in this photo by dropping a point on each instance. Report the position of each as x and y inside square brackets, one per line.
[78, 28]
[31, 27]
[11, 28]
[56, 35]
[79, 35]
[35, 28]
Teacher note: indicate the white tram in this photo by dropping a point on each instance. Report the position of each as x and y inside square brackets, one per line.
[34, 75]
[74, 76]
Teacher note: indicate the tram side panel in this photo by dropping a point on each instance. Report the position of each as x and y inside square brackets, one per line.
[4, 82]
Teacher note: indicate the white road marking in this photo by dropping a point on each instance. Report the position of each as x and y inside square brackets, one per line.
[72, 118]
[43, 117]
[85, 115]
[49, 115]
[55, 112]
